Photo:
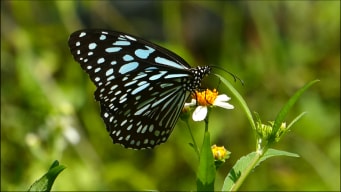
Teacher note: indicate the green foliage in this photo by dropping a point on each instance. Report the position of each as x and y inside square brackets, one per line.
[266, 136]
[249, 162]
[46, 181]
[239, 98]
[285, 110]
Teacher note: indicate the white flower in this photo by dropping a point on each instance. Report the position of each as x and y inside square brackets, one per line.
[205, 99]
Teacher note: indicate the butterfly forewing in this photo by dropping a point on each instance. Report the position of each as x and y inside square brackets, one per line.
[141, 87]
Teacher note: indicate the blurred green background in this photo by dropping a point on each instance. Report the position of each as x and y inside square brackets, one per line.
[48, 111]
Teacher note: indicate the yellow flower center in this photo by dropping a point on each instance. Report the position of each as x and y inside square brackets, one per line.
[205, 98]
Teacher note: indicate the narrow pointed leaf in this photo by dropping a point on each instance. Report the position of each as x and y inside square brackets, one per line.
[239, 98]
[206, 172]
[282, 114]
[46, 181]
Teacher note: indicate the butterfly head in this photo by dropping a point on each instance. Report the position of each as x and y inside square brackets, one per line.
[198, 74]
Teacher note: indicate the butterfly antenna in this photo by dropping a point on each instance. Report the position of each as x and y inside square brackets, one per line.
[235, 77]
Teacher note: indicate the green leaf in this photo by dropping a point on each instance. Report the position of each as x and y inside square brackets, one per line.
[246, 164]
[46, 181]
[295, 120]
[239, 99]
[274, 152]
[284, 111]
[237, 171]
[206, 172]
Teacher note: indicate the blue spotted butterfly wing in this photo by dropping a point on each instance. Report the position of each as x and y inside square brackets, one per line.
[141, 87]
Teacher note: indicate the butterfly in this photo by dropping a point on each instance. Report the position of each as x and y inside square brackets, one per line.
[141, 87]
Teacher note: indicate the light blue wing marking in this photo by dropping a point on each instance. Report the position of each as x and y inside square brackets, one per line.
[128, 67]
[121, 43]
[113, 49]
[157, 76]
[170, 76]
[92, 46]
[138, 89]
[144, 53]
[170, 63]
[128, 57]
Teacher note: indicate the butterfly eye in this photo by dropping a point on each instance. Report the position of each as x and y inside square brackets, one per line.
[141, 87]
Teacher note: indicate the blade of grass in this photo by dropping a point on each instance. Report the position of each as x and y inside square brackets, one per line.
[285, 109]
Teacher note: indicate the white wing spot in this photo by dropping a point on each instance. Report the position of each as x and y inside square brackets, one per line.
[144, 129]
[112, 77]
[118, 92]
[97, 69]
[102, 37]
[139, 129]
[82, 34]
[92, 46]
[113, 87]
[129, 127]
[118, 133]
[109, 72]
[130, 37]
[100, 60]
[123, 122]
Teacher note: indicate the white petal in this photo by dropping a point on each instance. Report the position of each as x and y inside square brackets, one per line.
[222, 97]
[192, 103]
[220, 101]
[224, 105]
[199, 113]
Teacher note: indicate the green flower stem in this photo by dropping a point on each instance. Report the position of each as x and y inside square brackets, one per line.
[206, 120]
[195, 146]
